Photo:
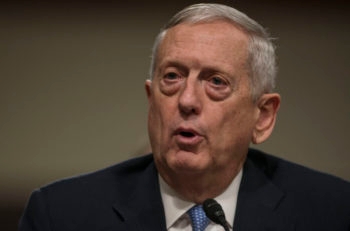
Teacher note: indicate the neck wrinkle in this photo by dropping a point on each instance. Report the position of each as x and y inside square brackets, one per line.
[199, 187]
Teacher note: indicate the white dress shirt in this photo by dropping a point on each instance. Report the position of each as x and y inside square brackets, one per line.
[175, 208]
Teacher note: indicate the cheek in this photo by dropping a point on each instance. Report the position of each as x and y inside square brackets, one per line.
[234, 127]
[161, 113]
[165, 106]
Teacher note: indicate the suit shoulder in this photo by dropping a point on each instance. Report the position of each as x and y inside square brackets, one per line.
[110, 177]
[307, 197]
[86, 201]
[294, 176]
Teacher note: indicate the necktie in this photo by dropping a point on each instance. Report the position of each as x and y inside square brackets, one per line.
[199, 220]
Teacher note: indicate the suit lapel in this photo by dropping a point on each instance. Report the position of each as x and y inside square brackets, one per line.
[142, 208]
[258, 202]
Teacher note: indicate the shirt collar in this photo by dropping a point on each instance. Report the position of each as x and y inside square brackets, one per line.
[175, 207]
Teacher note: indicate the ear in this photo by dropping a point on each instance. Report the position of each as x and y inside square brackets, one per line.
[268, 105]
[148, 87]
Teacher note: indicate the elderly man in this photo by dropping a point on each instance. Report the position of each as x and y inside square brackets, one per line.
[210, 95]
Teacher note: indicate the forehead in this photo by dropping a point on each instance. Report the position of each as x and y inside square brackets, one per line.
[217, 42]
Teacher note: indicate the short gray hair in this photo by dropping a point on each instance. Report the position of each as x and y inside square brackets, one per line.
[261, 51]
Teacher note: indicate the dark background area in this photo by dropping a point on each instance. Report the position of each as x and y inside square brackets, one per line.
[72, 97]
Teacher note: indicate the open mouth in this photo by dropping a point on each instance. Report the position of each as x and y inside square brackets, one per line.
[187, 134]
[187, 137]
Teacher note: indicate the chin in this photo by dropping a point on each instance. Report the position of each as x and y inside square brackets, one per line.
[187, 162]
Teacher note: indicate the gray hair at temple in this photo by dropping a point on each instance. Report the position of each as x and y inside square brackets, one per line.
[261, 51]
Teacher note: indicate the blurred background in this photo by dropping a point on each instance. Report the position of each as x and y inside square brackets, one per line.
[72, 94]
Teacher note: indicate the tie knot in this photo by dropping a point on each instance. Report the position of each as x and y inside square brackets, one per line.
[199, 220]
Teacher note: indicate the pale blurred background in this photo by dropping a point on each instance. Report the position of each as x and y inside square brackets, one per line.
[72, 86]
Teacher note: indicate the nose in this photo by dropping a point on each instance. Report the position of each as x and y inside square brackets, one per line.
[190, 101]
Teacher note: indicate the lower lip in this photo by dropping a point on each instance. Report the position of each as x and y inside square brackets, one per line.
[184, 140]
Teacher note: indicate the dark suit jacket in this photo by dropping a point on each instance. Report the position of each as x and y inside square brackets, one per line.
[274, 195]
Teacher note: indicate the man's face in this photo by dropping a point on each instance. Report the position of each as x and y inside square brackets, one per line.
[201, 115]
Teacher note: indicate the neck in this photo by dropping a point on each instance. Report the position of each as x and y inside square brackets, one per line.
[198, 187]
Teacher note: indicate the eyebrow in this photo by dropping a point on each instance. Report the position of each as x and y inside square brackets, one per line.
[182, 66]
[172, 63]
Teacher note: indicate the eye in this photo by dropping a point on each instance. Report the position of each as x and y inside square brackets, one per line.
[218, 81]
[218, 88]
[170, 82]
[171, 76]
